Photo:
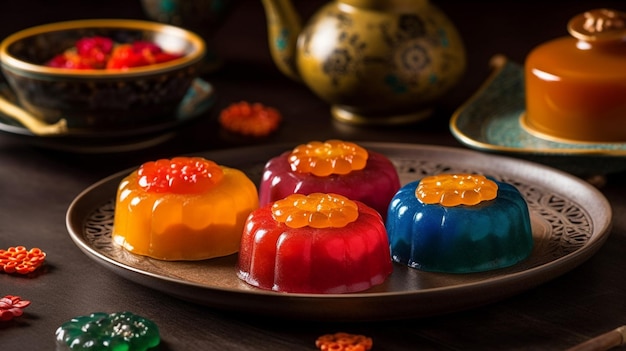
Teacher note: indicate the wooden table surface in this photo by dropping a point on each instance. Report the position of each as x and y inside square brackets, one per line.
[38, 184]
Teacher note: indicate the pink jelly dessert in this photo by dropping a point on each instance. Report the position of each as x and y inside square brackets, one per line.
[333, 166]
[316, 243]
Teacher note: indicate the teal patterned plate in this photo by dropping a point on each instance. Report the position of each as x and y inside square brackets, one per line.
[490, 121]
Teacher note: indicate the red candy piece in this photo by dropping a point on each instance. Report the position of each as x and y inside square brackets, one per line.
[11, 306]
[344, 342]
[19, 260]
[250, 119]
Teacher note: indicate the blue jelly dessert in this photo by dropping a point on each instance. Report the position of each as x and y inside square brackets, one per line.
[459, 223]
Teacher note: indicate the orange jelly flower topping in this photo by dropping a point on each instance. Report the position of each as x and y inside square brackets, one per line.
[315, 210]
[19, 260]
[344, 342]
[456, 189]
[180, 175]
[329, 157]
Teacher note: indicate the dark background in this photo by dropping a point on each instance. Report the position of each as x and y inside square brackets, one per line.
[38, 184]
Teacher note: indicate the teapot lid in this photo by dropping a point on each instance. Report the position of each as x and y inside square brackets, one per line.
[598, 25]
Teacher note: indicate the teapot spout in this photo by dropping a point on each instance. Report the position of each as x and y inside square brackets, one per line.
[283, 28]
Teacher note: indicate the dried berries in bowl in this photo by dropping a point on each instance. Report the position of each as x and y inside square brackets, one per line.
[104, 53]
[132, 94]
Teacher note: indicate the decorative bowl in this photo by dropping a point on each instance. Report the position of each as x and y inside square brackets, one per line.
[99, 98]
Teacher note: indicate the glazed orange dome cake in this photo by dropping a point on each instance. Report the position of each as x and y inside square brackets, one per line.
[333, 166]
[186, 208]
[316, 243]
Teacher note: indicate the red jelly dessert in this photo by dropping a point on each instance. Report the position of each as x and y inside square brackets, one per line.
[317, 243]
[333, 166]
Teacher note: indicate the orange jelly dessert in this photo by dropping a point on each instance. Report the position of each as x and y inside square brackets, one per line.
[333, 166]
[575, 85]
[186, 208]
[459, 223]
[316, 243]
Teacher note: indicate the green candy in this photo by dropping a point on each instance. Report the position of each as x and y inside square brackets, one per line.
[121, 331]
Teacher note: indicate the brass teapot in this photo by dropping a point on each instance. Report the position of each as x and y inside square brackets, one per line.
[377, 62]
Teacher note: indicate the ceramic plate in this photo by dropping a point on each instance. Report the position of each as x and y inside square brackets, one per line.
[199, 98]
[490, 121]
[570, 221]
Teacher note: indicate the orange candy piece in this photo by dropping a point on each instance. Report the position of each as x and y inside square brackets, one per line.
[19, 260]
[315, 210]
[250, 119]
[344, 342]
[330, 157]
[456, 189]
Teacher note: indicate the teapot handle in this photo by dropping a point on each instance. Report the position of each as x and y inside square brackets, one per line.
[283, 28]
